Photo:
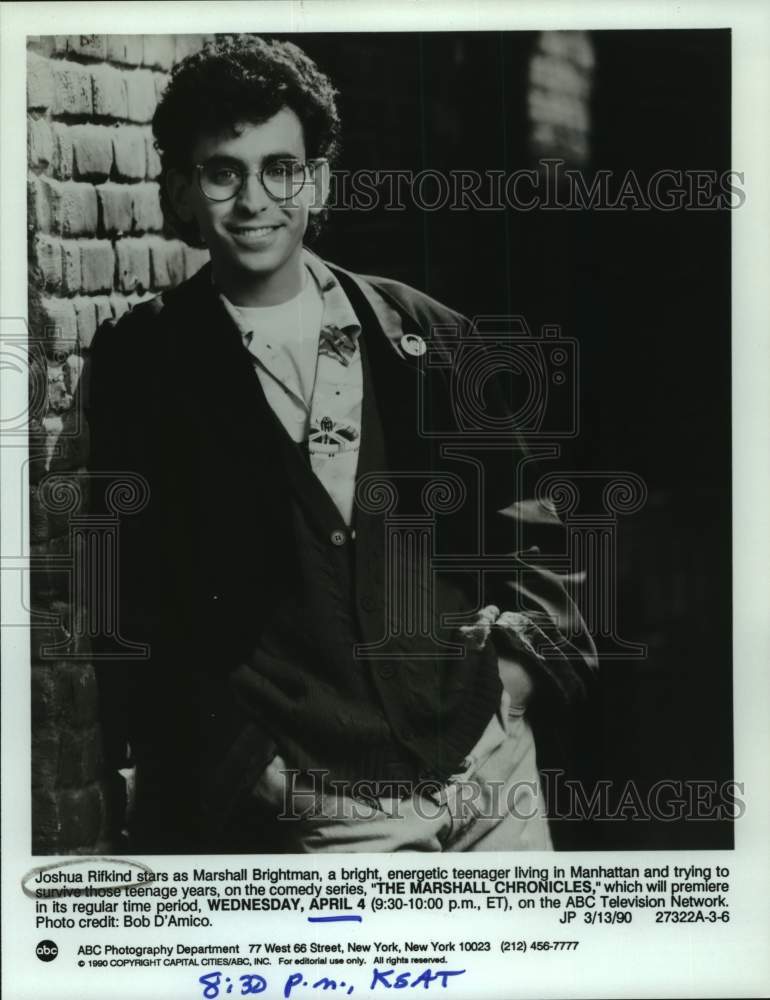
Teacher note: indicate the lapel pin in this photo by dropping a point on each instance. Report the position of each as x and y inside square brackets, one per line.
[412, 344]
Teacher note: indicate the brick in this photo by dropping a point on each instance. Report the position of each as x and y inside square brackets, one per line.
[87, 46]
[130, 152]
[74, 210]
[44, 636]
[54, 323]
[109, 92]
[72, 89]
[49, 582]
[146, 208]
[194, 259]
[80, 817]
[159, 51]
[573, 45]
[185, 45]
[37, 376]
[79, 755]
[46, 825]
[45, 688]
[85, 312]
[127, 49]
[97, 265]
[40, 85]
[62, 496]
[72, 445]
[554, 74]
[92, 151]
[120, 305]
[45, 758]
[72, 615]
[37, 457]
[70, 260]
[38, 206]
[160, 82]
[63, 159]
[103, 309]
[73, 366]
[116, 205]
[133, 265]
[39, 530]
[59, 399]
[140, 91]
[153, 158]
[40, 144]
[167, 261]
[44, 45]
[82, 694]
[48, 255]
[54, 424]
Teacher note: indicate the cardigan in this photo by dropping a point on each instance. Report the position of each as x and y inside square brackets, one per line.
[171, 395]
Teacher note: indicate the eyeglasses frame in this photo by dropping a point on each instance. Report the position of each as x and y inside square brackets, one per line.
[312, 164]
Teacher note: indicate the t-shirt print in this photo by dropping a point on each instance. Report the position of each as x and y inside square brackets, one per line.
[335, 418]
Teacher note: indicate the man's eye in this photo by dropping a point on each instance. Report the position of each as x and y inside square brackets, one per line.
[223, 175]
[284, 168]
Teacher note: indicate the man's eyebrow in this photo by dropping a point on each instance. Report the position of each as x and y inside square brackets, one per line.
[267, 158]
[281, 156]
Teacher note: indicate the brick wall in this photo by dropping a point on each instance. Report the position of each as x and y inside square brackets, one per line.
[96, 246]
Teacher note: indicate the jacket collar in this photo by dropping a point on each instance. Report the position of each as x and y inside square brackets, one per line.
[395, 316]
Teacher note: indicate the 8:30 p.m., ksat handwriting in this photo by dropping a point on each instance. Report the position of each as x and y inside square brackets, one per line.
[215, 984]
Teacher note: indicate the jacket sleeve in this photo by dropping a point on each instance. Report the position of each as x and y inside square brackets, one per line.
[116, 461]
[550, 639]
[541, 627]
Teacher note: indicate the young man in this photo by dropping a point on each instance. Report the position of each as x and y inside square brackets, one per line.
[317, 679]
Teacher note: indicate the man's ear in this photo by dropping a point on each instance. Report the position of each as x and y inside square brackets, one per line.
[178, 189]
[320, 181]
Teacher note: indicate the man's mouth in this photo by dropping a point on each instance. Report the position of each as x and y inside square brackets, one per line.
[252, 234]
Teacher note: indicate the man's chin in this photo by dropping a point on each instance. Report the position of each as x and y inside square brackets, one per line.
[259, 267]
[257, 261]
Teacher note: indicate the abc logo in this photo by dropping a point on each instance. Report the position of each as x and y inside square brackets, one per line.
[47, 951]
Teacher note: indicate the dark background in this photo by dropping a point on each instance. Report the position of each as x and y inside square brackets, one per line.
[646, 294]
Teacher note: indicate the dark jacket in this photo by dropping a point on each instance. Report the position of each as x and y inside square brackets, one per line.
[210, 562]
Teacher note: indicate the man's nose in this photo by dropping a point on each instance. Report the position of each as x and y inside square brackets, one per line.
[252, 197]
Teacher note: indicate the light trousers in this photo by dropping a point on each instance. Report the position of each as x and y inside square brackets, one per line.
[494, 804]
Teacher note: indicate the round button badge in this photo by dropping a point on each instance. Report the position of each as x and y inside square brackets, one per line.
[412, 344]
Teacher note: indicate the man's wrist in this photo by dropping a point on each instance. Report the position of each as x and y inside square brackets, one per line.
[517, 681]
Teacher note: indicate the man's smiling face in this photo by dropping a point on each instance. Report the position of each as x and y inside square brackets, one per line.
[255, 241]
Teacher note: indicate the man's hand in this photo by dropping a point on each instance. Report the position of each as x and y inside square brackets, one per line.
[520, 633]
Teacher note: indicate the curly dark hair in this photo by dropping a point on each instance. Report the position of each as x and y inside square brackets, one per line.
[240, 78]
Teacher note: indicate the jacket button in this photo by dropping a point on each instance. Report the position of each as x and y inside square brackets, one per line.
[337, 537]
[368, 603]
[386, 671]
[412, 344]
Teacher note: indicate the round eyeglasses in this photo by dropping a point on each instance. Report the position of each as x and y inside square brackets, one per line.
[281, 179]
